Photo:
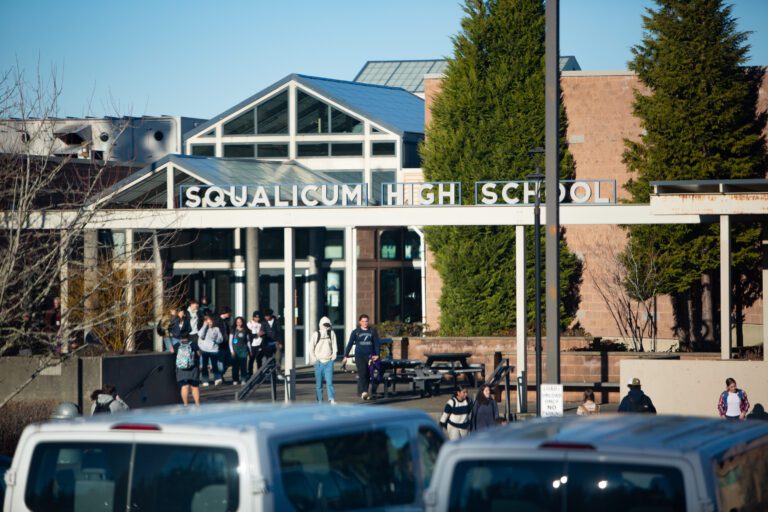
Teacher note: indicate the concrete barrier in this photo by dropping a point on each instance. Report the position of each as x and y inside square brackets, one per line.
[144, 380]
[693, 387]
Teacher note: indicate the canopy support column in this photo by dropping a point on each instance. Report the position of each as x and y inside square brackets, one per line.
[725, 287]
[289, 334]
[520, 320]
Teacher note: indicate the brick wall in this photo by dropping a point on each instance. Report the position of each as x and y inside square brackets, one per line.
[599, 108]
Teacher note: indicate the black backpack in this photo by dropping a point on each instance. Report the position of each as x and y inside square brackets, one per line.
[103, 407]
[640, 406]
[159, 329]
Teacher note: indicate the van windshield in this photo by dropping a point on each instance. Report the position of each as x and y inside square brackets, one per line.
[556, 486]
[95, 476]
[349, 472]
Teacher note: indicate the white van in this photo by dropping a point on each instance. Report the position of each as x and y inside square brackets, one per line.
[626, 463]
[239, 457]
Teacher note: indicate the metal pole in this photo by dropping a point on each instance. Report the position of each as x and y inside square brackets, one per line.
[552, 167]
[537, 288]
[508, 406]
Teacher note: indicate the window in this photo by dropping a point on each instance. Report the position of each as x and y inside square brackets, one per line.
[383, 148]
[334, 244]
[239, 151]
[555, 486]
[343, 123]
[347, 149]
[203, 244]
[350, 471]
[211, 133]
[311, 149]
[741, 480]
[273, 115]
[241, 125]
[390, 244]
[311, 114]
[271, 244]
[411, 246]
[429, 447]
[375, 130]
[184, 478]
[379, 178]
[272, 150]
[78, 476]
[95, 476]
[204, 150]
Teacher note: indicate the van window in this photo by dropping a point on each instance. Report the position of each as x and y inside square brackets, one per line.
[73, 477]
[184, 478]
[580, 486]
[741, 480]
[354, 471]
[429, 446]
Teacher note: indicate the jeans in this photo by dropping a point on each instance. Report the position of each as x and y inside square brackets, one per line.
[240, 366]
[213, 359]
[363, 377]
[169, 342]
[324, 371]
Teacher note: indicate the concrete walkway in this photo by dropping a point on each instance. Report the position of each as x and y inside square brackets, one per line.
[345, 385]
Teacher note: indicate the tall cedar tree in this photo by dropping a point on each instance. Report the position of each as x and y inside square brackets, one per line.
[700, 123]
[488, 116]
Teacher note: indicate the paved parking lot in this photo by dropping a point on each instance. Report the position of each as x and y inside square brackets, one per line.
[346, 392]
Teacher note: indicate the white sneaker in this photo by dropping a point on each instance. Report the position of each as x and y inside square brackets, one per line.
[234, 383]
[364, 395]
[206, 384]
[332, 402]
[217, 382]
[280, 376]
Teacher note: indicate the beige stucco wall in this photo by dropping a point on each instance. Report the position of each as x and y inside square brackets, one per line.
[693, 387]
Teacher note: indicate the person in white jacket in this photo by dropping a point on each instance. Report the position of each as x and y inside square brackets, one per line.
[322, 350]
[209, 339]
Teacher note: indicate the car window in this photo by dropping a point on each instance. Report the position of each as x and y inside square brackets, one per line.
[70, 477]
[74, 477]
[627, 487]
[741, 480]
[180, 478]
[353, 471]
[429, 446]
[507, 485]
[552, 486]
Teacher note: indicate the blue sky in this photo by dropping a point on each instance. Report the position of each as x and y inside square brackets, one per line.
[197, 58]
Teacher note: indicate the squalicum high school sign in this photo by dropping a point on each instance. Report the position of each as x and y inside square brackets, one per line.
[312, 195]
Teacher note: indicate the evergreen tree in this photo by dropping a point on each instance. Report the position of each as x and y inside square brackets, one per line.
[699, 123]
[488, 116]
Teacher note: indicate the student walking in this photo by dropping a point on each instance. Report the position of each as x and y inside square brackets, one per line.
[588, 405]
[254, 325]
[323, 352]
[457, 414]
[238, 348]
[485, 413]
[733, 403]
[365, 339]
[188, 370]
[209, 339]
[272, 328]
[636, 401]
[106, 400]
[225, 326]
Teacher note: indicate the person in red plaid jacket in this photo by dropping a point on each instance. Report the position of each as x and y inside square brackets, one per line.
[733, 403]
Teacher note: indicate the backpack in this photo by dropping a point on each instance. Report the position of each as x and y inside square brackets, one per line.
[639, 406]
[103, 407]
[185, 356]
[159, 328]
[375, 371]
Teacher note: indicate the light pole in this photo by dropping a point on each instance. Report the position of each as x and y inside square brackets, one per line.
[537, 177]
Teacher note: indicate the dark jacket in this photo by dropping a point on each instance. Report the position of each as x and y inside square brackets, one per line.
[273, 331]
[366, 342]
[485, 415]
[637, 401]
[226, 329]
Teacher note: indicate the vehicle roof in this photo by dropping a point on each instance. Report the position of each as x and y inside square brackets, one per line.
[247, 416]
[626, 432]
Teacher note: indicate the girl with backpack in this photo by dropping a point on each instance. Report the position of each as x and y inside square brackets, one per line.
[188, 370]
[238, 349]
[588, 406]
[323, 351]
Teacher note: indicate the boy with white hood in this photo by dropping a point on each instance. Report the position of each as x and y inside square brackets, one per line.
[323, 352]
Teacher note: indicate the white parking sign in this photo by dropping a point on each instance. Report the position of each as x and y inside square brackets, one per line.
[551, 400]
